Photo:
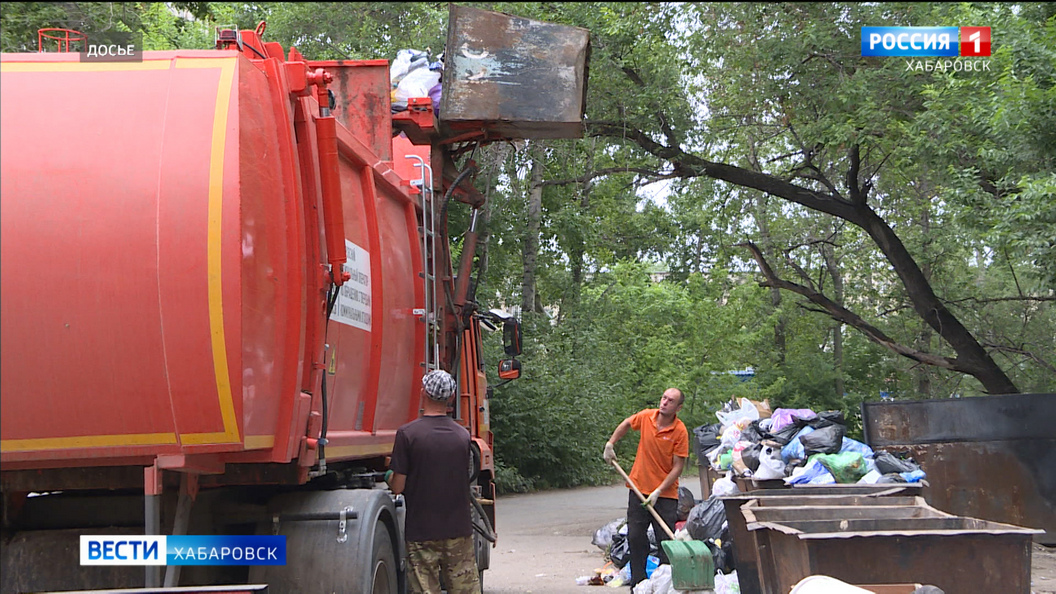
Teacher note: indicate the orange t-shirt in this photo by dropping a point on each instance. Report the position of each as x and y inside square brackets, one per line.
[656, 452]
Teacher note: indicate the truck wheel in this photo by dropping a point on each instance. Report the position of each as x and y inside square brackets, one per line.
[383, 563]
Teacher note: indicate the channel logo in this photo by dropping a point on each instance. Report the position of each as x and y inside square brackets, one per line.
[183, 550]
[919, 42]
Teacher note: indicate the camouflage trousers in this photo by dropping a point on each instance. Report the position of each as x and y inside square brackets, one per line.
[453, 558]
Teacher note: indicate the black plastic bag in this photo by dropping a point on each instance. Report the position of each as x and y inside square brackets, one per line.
[887, 463]
[706, 519]
[752, 433]
[786, 434]
[827, 440]
[750, 456]
[708, 436]
[620, 553]
[826, 418]
[686, 501]
[603, 536]
[718, 556]
[722, 556]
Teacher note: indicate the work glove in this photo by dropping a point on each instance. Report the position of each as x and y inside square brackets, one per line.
[610, 453]
[650, 501]
[388, 477]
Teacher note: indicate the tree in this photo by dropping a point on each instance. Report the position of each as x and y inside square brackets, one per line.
[841, 132]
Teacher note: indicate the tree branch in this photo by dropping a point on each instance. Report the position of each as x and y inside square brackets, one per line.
[586, 177]
[856, 193]
[844, 315]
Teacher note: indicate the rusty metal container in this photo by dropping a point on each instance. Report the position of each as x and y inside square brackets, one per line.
[990, 557]
[513, 77]
[989, 457]
[745, 547]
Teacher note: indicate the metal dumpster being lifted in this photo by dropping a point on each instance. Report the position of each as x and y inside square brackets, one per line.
[511, 77]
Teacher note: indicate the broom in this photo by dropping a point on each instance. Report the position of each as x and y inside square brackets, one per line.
[692, 567]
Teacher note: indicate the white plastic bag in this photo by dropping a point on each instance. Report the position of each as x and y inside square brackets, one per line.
[747, 411]
[724, 487]
[771, 466]
[416, 84]
[823, 584]
[406, 60]
[727, 584]
[658, 583]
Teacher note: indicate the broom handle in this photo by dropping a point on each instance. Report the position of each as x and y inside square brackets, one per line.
[642, 497]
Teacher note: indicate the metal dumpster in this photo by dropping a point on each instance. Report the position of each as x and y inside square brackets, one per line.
[990, 557]
[511, 77]
[744, 544]
[989, 457]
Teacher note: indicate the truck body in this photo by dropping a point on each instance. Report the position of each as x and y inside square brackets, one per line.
[224, 273]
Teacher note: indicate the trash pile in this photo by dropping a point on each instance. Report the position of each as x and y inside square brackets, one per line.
[412, 74]
[798, 446]
[703, 520]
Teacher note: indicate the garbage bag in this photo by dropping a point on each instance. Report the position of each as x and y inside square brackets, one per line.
[750, 456]
[784, 417]
[657, 582]
[913, 477]
[853, 445]
[786, 434]
[826, 418]
[416, 83]
[620, 553]
[730, 436]
[603, 536]
[771, 466]
[708, 436]
[727, 583]
[718, 556]
[686, 501]
[794, 449]
[847, 467]
[826, 440]
[706, 519]
[723, 487]
[814, 473]
[887, 463]
[739, 465]
[746, 411]
[752, 433]
[406, 60]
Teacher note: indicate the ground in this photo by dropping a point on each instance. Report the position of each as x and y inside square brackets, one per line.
[544, 541]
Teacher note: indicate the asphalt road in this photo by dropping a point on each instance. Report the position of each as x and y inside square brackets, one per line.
[544, 538]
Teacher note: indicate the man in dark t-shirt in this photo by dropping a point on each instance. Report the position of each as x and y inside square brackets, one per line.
[430, 466]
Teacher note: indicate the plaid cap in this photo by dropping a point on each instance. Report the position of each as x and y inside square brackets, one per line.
[439, 385]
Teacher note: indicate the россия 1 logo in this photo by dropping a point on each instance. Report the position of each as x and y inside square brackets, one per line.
[919, 42]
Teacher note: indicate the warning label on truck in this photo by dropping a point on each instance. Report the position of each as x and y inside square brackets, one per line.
[353, 298]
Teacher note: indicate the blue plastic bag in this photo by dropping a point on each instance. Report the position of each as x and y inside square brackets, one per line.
[794, 449]
[851, 445]
[814, 473]
[651, 563]
[913, 477]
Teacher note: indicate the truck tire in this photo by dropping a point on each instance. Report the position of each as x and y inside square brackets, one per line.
[317, 562]
[383, 562]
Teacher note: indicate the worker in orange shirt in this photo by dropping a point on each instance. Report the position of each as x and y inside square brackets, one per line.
[662, 451]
